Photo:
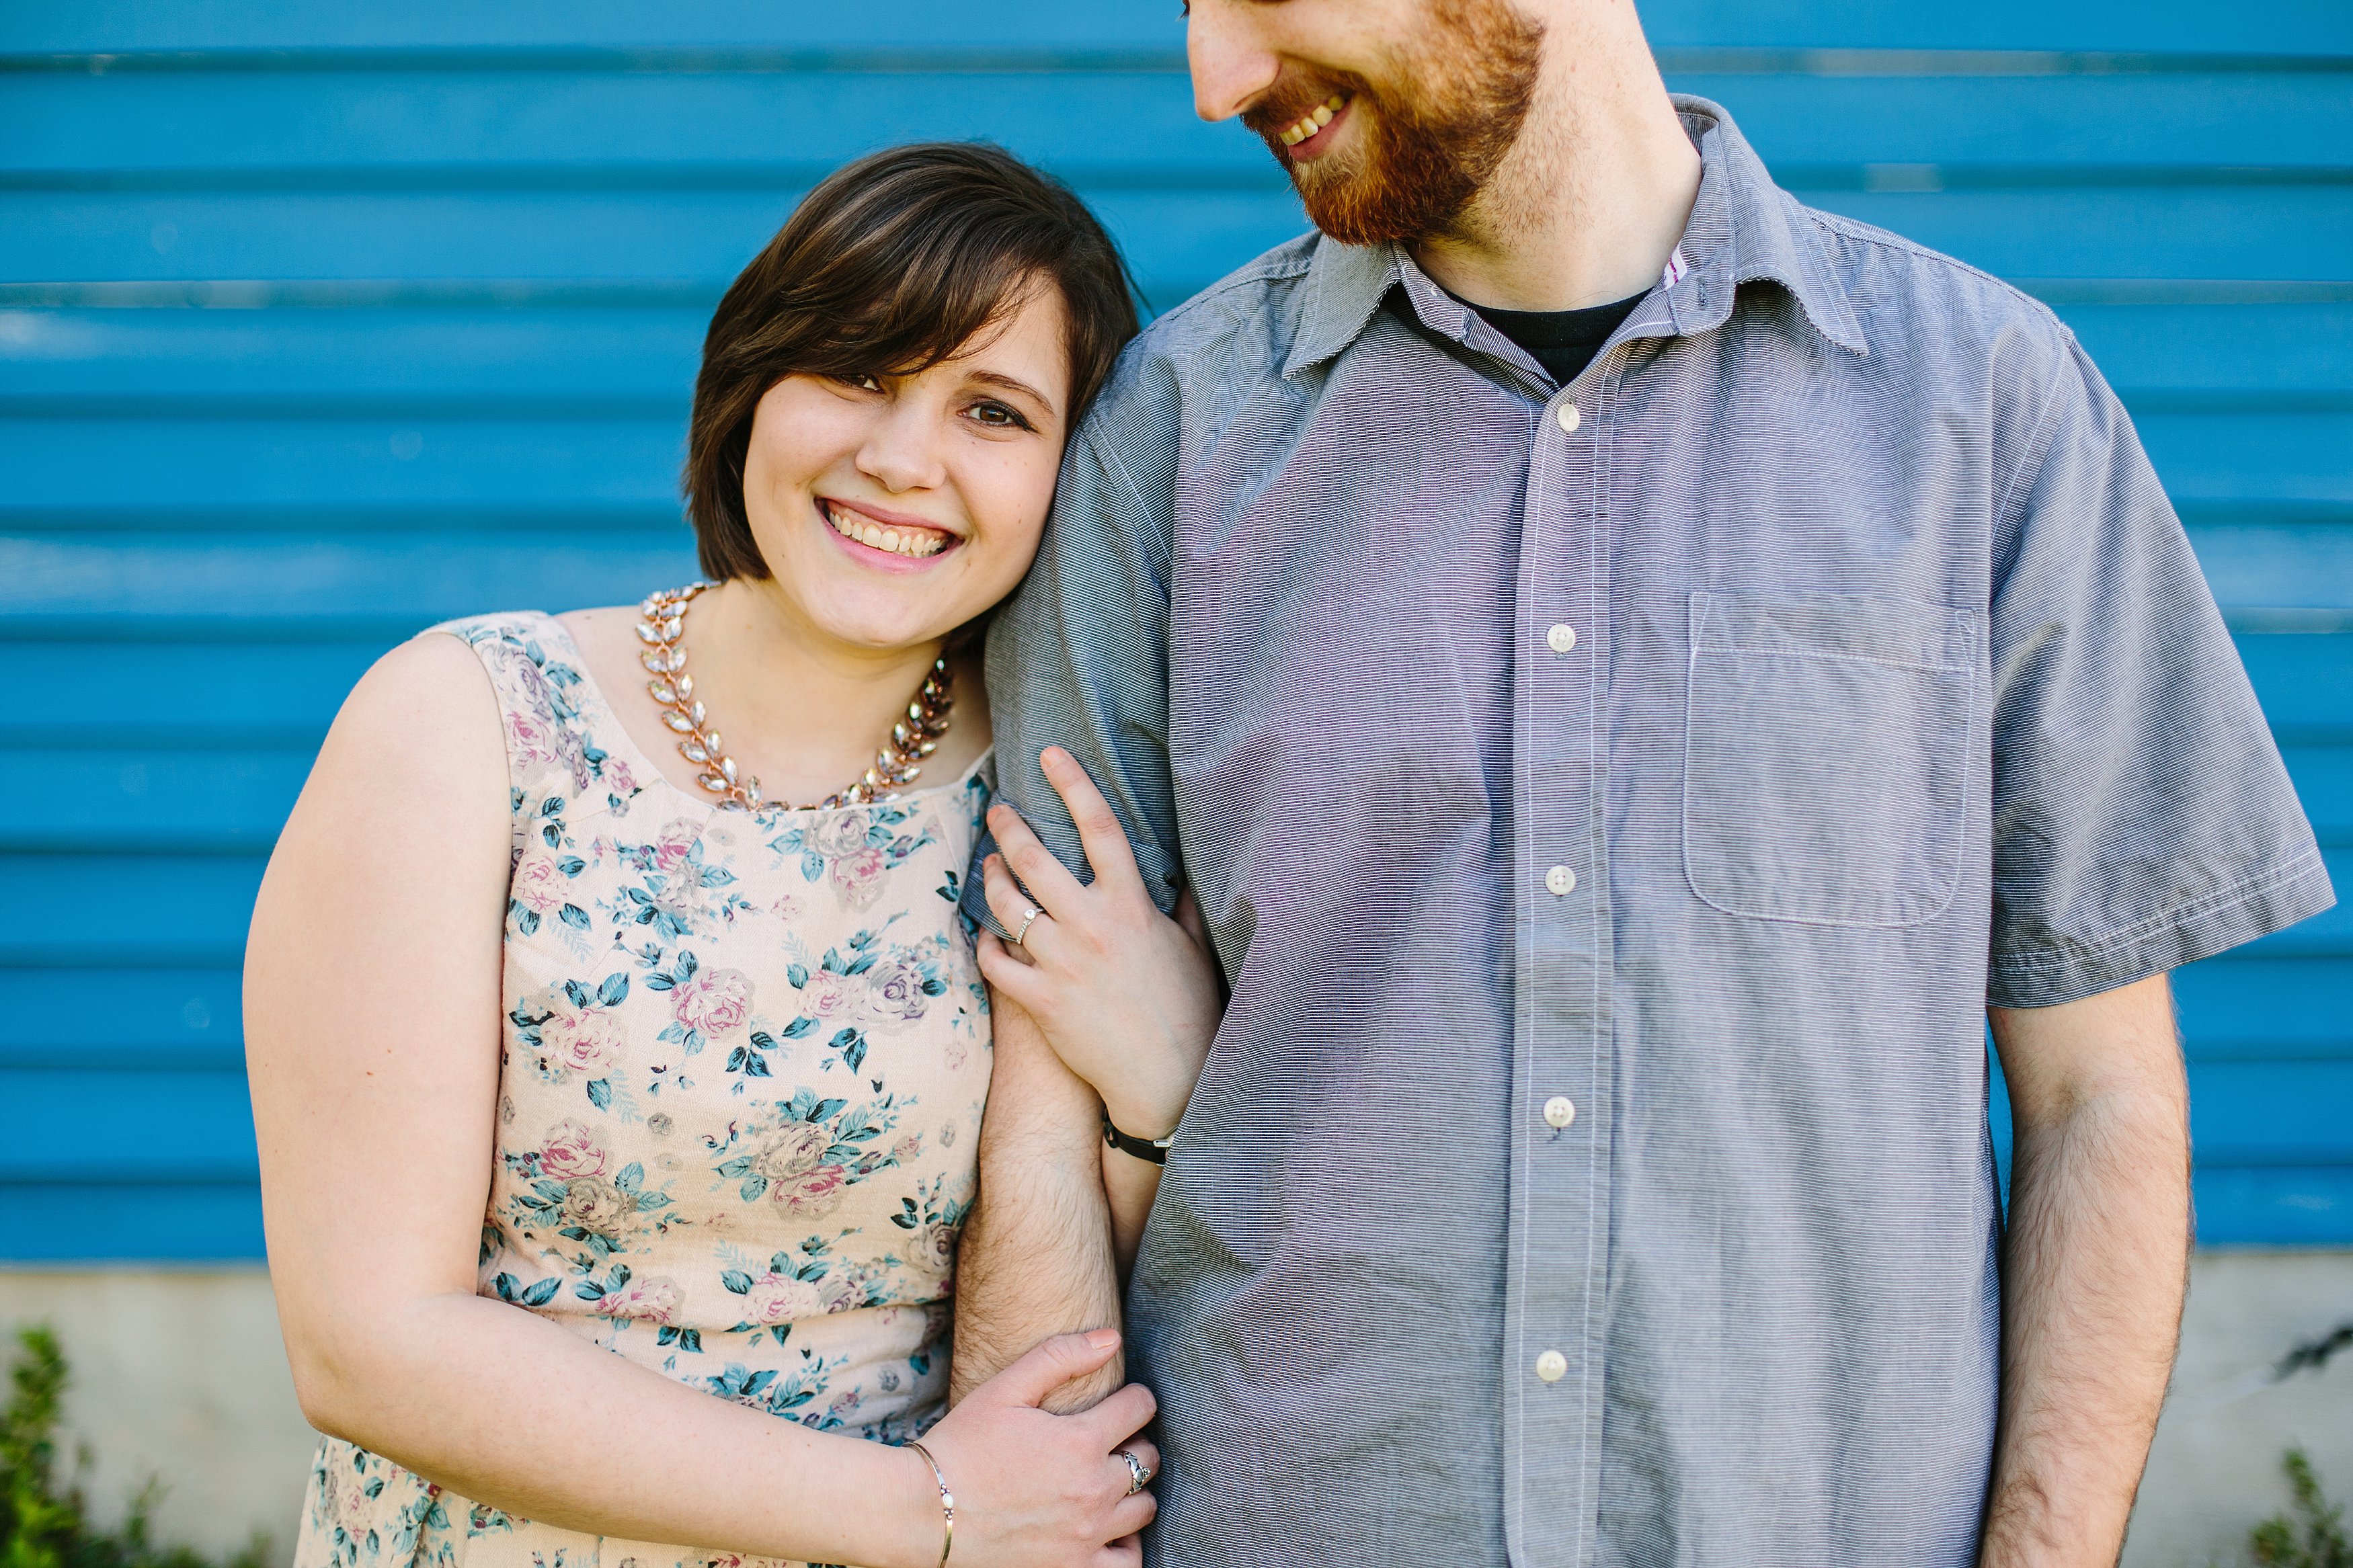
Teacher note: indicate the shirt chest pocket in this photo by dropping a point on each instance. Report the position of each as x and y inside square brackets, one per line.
[1826, 751]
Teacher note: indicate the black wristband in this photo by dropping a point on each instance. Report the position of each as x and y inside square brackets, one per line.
[1152, 1149]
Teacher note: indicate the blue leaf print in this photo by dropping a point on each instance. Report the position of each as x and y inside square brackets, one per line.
[812, 866]
[600, 1094]
[572, 866]
[632, 1176]
[798, 975]
[526, 921]
[575, 916]
[541, 1293]
[576, 993]
[615, 989]
[799, 1026]
[735, 1279]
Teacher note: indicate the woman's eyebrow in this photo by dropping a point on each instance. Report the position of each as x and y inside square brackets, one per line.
[997, 378]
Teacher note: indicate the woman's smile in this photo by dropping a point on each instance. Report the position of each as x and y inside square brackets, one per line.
[892, 542]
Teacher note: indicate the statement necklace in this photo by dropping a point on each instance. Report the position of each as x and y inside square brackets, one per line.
[896, 765]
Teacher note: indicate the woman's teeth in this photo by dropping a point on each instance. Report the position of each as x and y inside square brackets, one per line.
[916, 543]
[1315, 119]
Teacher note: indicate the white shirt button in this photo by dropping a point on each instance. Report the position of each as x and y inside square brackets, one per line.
[1560, 1110]
[1552, 1366]
[1568, 415]
[1561, 880]
[1562, 638]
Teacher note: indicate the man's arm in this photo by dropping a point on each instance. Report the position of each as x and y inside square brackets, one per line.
[2096, 1269]
[1036, 1259]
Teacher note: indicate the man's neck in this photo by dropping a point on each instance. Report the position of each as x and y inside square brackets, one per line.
[1589, 202]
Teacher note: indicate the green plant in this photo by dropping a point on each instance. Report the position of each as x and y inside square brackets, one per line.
[2278, 1542]
[44, 1518]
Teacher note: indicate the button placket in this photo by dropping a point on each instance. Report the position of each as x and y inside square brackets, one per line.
[1559, 1242]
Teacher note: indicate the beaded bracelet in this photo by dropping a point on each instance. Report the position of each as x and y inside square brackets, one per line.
[947, 1503]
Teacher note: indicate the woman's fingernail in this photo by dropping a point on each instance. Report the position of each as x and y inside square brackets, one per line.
[1101, 1338]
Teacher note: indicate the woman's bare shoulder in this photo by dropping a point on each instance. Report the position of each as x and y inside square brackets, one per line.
[421, 732]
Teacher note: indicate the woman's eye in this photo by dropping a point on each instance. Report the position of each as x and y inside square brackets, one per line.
[1000, 416]
[863, 382]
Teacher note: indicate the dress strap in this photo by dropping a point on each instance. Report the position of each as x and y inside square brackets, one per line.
[551, 713]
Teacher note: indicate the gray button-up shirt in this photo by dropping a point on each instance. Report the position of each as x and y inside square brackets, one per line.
[1613, 826]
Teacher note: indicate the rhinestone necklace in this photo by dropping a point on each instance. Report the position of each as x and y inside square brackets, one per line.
[896, 765]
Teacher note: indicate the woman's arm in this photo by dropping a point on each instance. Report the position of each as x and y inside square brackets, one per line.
[373, 992]
[1128, 998]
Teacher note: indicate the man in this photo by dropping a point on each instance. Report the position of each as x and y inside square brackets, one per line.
[1632, 669]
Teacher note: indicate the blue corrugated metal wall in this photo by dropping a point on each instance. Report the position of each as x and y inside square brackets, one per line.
[320, 322]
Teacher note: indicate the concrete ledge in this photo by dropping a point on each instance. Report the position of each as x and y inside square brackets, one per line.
[177, 1375]
[2215, 1470]
[180, 1374]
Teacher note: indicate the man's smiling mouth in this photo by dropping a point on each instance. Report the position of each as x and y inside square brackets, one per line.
[897, 538]
[1314, 120]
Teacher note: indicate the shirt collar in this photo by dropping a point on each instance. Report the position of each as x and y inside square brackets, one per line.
[1743, 229]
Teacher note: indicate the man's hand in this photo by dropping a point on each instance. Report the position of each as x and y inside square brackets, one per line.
[2096, 1269]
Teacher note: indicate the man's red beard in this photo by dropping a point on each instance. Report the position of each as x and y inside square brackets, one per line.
[1435, 133]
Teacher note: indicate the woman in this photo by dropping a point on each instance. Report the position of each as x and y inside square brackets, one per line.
[617, 1078]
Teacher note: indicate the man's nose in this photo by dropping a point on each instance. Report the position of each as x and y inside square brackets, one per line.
[1230, 68]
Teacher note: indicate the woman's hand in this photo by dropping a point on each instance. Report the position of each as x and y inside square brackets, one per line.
[1128, 998]
[1034, 1489]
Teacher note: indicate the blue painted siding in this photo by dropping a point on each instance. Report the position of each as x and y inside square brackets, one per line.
[320, 322]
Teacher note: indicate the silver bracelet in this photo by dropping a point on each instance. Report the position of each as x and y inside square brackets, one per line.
[947, 1503]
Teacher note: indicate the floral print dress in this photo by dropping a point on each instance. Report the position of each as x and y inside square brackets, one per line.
[744, 1065]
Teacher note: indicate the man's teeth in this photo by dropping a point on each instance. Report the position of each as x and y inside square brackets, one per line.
[1315, 119]
[917, 543]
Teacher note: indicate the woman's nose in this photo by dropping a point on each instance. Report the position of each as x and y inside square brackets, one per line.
[902, 453]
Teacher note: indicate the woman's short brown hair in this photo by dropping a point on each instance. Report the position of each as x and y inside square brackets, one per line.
[892, 265]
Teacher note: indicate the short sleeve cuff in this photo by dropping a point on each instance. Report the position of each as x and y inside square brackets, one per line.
[975, 903]
[2239, 913]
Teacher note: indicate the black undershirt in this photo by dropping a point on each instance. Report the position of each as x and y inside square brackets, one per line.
[1563, 341]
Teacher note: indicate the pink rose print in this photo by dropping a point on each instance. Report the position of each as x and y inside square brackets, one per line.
[843, 833]
[780, 1298]
[597, 1206]
[530, 737]
[907, 1150]
[538, 885]
[715, 1000]
[788, 908]
[814, 1193]
[654, 1300]
[896, 987]
[793, 1150]
[932, 1249]
[833, 998]
[347, 1502]
[672, 843]
[571, 1151]
[618, 778]
[587, 1042]
[857, 877]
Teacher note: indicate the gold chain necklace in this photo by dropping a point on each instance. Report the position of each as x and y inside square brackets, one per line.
[896, 765]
